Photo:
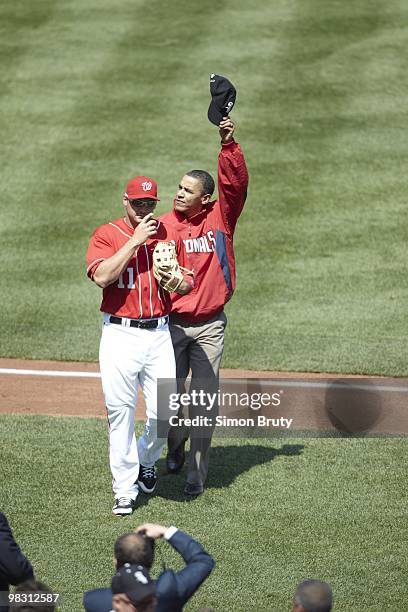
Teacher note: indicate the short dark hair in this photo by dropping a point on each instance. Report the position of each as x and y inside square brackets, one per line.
[33, 586]
[314, 596]
[205, 179]
[134, 548]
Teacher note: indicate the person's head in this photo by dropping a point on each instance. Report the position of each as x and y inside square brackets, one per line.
[140, 198]
[134, 548]
[194, 191]
[313, 596]
[133, 590]
[33, 586]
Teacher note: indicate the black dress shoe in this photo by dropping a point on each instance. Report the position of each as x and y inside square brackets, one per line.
[193, 490]
[175, 460]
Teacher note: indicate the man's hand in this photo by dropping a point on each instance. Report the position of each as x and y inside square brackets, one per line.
[227, 129]
[109, 270]
[182, 289]
[144, 230]
[151, 530]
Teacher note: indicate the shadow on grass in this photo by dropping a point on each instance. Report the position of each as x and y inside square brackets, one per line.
[226, 463]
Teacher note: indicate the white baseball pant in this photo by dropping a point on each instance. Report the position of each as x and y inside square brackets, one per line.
[129, 356]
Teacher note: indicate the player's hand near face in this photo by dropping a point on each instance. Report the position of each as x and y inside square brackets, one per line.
[145, 229]
[227, 129]
[110, 269]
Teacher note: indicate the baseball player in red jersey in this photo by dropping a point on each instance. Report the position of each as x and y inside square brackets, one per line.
[135, 344]
[197, 322]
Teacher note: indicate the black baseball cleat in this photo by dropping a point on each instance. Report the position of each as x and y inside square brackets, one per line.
[175, 460]
[123, 506]
[193, 490]
[147, 479]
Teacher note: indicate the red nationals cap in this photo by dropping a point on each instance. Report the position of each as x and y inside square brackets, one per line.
[141, 187]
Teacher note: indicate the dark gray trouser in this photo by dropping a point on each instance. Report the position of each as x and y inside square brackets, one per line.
[199, 347]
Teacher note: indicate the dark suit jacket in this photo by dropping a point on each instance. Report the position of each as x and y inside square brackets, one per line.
[173, 589]
[14, 566]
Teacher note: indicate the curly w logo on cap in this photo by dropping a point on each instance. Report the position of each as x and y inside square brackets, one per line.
[141, 187]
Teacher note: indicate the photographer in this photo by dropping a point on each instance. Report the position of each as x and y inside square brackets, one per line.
[172, 589]
[313, 596]
[14, 566]
[34, 596]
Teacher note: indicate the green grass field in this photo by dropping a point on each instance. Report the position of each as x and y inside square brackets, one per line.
[275, 512]
[94, 92]
[91, 95]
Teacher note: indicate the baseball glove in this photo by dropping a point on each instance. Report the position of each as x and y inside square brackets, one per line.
[166, 268]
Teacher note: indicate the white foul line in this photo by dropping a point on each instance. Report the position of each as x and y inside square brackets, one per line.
[50, 373]
[261, 381]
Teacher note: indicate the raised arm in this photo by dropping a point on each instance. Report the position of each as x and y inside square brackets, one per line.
[232, 175]
[199, 563]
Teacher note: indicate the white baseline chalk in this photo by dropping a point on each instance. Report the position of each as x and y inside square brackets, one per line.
[67, 374]
[262, 381]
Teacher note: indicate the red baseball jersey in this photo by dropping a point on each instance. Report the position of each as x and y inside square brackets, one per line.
[208, 240]
[136, 294]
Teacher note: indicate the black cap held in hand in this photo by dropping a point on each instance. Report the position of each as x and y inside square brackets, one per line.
[223, 95]
[134, 581]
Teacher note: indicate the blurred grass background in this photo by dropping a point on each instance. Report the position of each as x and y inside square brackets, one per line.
[93, 93]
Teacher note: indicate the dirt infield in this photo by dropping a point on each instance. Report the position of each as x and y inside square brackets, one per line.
[312, 401]
[55, 395]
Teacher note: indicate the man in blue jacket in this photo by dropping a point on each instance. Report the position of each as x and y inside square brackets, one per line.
[14, 566]
[172, 589]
